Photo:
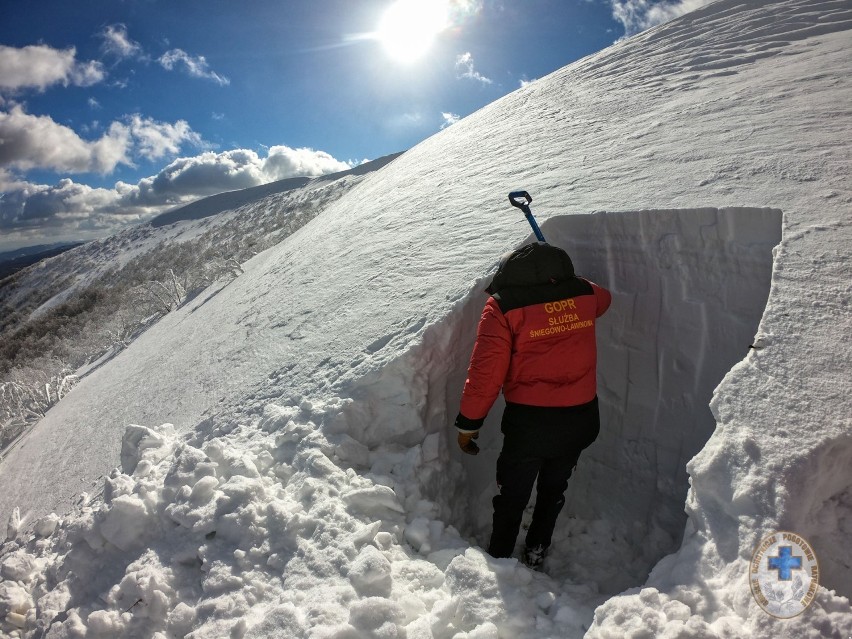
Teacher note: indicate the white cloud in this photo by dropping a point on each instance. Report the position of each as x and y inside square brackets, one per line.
[197, 176]
[449, 119]
[38, 142]
[66, 202]
[10, 182]
[283, 162]
[197, 66]
[639, 15]
[40, 66]
[71, 205]
[25, 205]
[212, 172]
[32, 141]
[154, 140]
[464, 69]
[118, 43]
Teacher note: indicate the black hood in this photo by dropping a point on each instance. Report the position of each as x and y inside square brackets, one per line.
[531, 265]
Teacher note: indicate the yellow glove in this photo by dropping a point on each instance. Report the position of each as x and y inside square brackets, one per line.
[467, 444]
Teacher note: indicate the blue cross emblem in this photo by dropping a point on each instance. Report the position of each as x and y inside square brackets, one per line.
[785, 562]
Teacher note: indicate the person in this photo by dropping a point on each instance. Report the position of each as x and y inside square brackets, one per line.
[536, 341]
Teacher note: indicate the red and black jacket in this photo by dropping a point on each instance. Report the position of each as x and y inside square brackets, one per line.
[536, 337]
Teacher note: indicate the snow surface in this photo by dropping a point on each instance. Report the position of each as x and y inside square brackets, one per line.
[294, 474]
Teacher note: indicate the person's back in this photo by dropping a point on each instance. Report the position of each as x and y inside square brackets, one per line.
[548, 314]
[536, 341]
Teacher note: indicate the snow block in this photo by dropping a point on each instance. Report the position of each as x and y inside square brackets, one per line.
[370, 573]
[138, 439]
[14, 599]
[126, 522]
[281, 621]
[18, 566]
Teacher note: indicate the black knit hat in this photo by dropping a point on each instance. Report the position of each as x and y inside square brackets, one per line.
[532, 264]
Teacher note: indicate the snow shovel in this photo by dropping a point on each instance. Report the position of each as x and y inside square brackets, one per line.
[522, 200]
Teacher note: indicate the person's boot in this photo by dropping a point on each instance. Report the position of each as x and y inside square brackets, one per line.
[534, 557]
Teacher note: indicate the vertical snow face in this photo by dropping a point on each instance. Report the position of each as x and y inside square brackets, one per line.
[689, 289]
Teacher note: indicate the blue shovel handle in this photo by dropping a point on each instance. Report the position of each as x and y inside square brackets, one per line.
[522, 199]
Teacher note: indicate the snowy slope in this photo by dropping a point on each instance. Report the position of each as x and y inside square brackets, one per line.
[322, 495]
[262, 222]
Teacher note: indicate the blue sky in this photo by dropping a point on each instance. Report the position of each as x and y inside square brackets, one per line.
[112, 111]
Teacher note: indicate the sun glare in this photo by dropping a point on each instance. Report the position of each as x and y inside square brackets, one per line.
[409, 27]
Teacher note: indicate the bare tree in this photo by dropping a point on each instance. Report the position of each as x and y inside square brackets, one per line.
[119, 330]
[164, 296]
[26, 397]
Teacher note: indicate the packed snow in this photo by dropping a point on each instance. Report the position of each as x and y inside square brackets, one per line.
[276, 459]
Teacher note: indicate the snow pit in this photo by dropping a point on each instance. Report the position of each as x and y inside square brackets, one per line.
[318, 518]
[689, 289]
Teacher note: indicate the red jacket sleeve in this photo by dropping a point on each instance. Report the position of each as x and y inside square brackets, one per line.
[603, 297]
[489, 362]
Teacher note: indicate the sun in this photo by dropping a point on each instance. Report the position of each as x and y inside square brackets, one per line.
[409, 27]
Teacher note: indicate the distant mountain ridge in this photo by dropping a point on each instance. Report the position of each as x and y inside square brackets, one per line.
[13, 261]
[214, 204]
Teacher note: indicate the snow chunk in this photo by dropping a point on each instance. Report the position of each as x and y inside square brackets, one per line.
[204, 489]
[126, 522]
[417, 534]
[139, 441]
[107, 623]
[370, 573]
[365, 534]
[471, 579]
[190, 464]
[282, 621]
[16, 619]
[350, 450]
[14, 524]
[181, 618]
[146, 588]
[46, 526]
[424, 534]
[373, 500]
[14, 599]
[230, 462]
[484, 631]
[378, 617]
[648, 613]
[19, 566]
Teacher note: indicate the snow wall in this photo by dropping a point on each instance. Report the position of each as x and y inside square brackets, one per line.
[689, 289]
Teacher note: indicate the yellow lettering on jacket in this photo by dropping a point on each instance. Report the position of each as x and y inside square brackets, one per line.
[561, 305]
[560, 328]
[563, 319]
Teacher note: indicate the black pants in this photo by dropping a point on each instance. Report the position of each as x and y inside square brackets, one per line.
[544, 444]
